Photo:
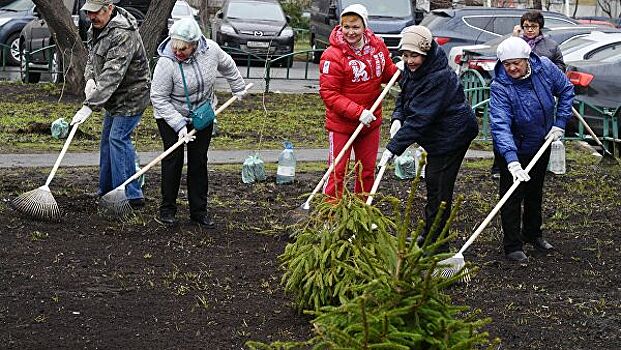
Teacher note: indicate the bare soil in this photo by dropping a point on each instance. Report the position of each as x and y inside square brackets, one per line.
[91, 282]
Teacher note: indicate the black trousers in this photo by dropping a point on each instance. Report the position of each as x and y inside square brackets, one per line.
[440, 174]
[172, 166]
[521, 215]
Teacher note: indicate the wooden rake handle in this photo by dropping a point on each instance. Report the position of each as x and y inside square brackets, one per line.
[178, 143]
[74, 129]
[504, 198]
[378, 179]
[351, 139]
[588, 129]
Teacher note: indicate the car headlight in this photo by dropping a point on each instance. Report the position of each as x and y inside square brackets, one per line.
[287, 32]
[3, 21]
[227, 29]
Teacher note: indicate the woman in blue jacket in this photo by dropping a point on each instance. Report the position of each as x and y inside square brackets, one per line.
[524, 114]
[432, 111]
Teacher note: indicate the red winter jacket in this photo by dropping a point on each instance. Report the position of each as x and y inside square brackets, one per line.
[350, 83]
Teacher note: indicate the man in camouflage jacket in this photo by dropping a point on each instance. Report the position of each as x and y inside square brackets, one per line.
[118, 80]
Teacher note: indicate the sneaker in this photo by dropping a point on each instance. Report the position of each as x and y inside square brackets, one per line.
[166, 219]
[517, 256]
[205, 220]
[137, 203]
[542, 245]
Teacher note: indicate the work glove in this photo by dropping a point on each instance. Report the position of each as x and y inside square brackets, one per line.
[240, 94]
[396, 125]
[386, 157]
[81, 115]
[517, 172]
[366, 117]
[400, 65]
[183, 134]
[89, 88]
[555, 133]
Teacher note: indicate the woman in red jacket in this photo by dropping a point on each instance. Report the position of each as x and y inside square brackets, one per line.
[352, 70]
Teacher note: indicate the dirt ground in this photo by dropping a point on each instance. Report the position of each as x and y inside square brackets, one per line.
[90, 282]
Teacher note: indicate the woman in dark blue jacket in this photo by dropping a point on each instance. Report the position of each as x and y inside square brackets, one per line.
[432, 111]
[524, 113]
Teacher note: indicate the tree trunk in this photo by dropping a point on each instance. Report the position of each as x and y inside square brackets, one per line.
[203, 12]
[68, 43]
[154, 27]
[537, 4]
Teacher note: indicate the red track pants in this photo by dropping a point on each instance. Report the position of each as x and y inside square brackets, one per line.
[365, 149]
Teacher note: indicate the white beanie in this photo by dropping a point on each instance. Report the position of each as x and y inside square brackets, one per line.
[513, 47]
[185, 29]
[359, 10]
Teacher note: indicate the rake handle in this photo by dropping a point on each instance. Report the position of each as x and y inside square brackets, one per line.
[178, 143]
[74, 129]
[378, 179]
[504, 198]
[376, 104]
[589, 129]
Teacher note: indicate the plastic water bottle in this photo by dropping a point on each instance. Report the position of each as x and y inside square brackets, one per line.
[556, 164]
[418, 154]
[285, 173]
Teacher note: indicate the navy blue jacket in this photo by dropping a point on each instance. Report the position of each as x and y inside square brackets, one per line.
[433, 109]
[522, 112]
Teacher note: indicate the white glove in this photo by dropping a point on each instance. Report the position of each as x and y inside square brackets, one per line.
[89, 88]
[400, 65]
[366, 117]
[396, 125]
[517, 172]
[555, 133]
[81, 115]
[240, 94]
[386, 157]
[183, 134]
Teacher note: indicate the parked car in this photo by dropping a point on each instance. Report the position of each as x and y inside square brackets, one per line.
[13, 17]
[616, 22]
[580, 48]
[477, 25]
[258, 27]
[483, 59]
[597, 82]
[386, 19]
[182, 10]
[36, 35]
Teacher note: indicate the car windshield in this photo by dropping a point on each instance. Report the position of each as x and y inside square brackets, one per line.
[19, 5]
[181, 10]
[375, 8]
[576, 44]
[261, 11]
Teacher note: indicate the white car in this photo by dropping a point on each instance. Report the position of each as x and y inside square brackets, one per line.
[456, 52]
[582, 47]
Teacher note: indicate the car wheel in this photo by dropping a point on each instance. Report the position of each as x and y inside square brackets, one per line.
[58, 75]
[33, 77]
[13, 58]
[316, 54]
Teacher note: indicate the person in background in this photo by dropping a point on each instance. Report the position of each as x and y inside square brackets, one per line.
[529, 29]
[117, 79]
[523, 114]
[352, 70]
[431, 110]
[201, 60]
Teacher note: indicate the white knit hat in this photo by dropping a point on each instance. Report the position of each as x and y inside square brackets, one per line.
[185, 29]
[513, 47]
[359, 10]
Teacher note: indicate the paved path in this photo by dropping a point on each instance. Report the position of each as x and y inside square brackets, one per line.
[215, 157]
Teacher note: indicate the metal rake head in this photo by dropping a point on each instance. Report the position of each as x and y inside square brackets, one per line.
[450, 267]
[115, 204]
[38, 203]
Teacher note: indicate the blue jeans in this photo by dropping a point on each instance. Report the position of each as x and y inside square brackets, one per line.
[117, 156]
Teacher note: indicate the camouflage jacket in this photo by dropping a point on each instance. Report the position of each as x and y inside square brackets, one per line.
[117, 62]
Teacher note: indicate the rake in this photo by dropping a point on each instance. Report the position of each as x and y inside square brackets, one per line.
[40, 203]
[115, 202]
[450, 267]
[607, 157]
[306, 205]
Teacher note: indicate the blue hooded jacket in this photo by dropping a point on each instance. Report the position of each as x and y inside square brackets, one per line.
[522, 112]
[433, 109]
